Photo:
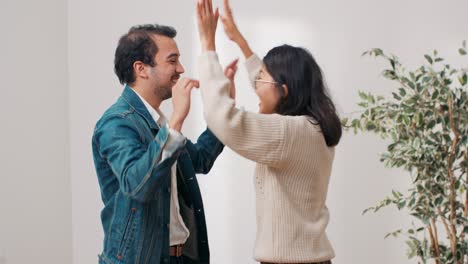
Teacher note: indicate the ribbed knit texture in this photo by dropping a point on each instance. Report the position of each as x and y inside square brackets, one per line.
[292, 173]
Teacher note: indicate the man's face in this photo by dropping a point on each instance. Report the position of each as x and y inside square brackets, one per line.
[167, 69]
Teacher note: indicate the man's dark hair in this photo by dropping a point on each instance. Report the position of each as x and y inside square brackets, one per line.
[137, 45]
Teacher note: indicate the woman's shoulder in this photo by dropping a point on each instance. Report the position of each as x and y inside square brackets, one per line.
[303, 122]
[294, 124]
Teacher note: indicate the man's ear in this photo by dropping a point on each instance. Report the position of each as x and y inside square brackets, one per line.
[140, 70]
[285, 89]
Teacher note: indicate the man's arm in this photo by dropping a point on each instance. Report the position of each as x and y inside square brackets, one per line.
[204, 153]
[138, 168]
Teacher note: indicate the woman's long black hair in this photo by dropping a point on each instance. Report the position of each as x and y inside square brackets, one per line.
[307, 92]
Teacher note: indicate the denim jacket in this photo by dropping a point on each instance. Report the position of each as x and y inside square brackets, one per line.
[135, 187]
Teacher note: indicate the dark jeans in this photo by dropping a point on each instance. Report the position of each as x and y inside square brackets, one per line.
[176, 260]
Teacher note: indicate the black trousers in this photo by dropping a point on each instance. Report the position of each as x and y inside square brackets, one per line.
[176, 260]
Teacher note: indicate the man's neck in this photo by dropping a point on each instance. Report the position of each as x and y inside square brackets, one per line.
[148, 95]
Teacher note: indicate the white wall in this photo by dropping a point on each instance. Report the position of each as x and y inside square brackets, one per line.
[35, 201]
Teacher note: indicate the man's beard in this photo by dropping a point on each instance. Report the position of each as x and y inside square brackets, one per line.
[165, 92]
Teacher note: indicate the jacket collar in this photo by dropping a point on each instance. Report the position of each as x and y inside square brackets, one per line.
[130, 96]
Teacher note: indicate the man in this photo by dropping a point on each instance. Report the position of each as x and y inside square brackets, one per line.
[153, 211]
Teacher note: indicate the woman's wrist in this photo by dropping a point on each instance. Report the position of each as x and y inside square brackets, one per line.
[208, 45]
[245, 48]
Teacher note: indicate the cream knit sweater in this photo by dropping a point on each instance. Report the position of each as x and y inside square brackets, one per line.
[292, 173]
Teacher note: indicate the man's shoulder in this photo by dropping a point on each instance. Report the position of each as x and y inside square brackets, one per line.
[120, 110]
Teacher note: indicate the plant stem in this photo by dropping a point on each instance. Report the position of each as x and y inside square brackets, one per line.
[447, 229]
[436, 237]
[434, 249]
[452, 179]
[462, 235]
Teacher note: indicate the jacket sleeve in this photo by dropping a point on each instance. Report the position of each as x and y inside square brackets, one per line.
[139, 169]
[204, 152]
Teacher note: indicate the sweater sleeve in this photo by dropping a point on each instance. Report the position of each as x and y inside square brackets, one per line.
[258, 137]
[253, 65]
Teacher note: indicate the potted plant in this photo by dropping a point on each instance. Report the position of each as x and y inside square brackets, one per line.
[426, 125]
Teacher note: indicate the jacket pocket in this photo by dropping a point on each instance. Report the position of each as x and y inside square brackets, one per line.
[127, 236]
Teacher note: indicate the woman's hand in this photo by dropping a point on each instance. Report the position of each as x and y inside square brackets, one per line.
[232, 32]
[207, 23]
[230, 27]
[230, 72]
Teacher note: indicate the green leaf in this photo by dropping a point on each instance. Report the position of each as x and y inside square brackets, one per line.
[431, 124]
[462, 52]
[344, 121]
[377, 52]
[392, 62]
[370, 126]
[402, 92]
[389, 74]
[363, 104]
[426, 79]
[367, 210]
[391, 146]
[406, 120]
[447, 138]
[463, 79]
[362, 95]
[428, 58]
[401, 204]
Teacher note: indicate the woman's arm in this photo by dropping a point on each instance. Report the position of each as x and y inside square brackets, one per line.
[258, 137]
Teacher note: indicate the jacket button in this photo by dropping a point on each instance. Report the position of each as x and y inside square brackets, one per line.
[169, 189]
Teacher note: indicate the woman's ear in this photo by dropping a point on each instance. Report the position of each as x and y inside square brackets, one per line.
[285, 89]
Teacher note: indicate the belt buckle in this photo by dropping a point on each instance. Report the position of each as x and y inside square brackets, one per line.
[179, 250]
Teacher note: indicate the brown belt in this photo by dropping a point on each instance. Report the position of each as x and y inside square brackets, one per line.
[322, 262]
[176, 251]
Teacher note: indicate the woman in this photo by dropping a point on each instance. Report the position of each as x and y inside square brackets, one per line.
[292, 140]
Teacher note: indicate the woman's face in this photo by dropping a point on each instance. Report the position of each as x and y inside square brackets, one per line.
[266, 92]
